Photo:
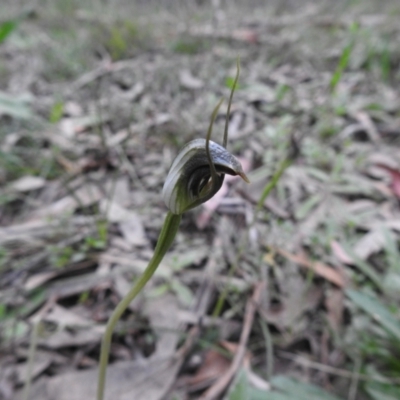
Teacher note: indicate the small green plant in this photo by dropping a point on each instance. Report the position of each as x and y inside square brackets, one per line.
[189, 46]
[56, 112]
[196, 174]
[61, 256]
[377, 326]
[122, 38]
[9, 26]
[6, 28]
[344, 59]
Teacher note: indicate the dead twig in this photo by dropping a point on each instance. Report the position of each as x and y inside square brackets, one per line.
[221, 384]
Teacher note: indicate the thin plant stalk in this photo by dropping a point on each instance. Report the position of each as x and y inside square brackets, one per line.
[167, 236]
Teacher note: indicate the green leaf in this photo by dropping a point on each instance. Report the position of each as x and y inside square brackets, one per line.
[382, 391]
[184, 294]
[344, 59]
[288, 389]
[299, 390]
[56, 112]
[240, 387]
[229, 82]
[12, 330]
[376, 310]
[9, 26]
[364, 267]
[305, 208]
[157, 291]
[3, 310]
[281, 91]
[6, 28]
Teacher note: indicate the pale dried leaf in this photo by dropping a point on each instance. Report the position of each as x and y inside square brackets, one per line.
[37, 368]
[85, 196]
[75, 338]
[70, 126]
[122, 287]
[297, 299]
[130, 223]
[72, 109]
[37, 280]
[147, 379]
[188, 81]
[366, 121]
[163, 313]
[28, 183]
[63, 317]
[340, 253]
[372, 242]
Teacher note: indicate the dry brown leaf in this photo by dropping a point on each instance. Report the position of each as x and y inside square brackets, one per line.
[213, 366]
[233, 348]
[318, 267]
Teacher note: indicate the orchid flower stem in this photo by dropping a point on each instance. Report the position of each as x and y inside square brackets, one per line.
[167, 235]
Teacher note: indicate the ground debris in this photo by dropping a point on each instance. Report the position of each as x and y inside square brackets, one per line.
[93, 110]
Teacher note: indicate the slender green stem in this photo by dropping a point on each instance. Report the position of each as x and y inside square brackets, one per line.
[272, 183]
[228, 112]
[214, 180]
[167, 235]
[221, 298]
[269, 348]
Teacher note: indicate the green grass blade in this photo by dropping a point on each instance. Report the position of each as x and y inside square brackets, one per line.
[344, 60]
[382, 391]
[301, 391]
[6, 28]
[376, 310]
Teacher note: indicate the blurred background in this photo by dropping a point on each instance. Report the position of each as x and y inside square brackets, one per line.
[290, 295]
